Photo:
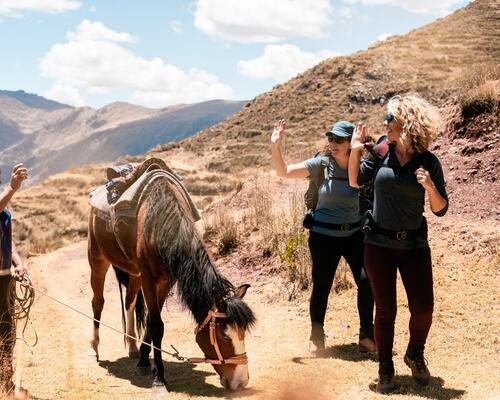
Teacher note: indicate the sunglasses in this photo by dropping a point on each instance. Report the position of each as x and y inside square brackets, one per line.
[336, 139]
[389, 118]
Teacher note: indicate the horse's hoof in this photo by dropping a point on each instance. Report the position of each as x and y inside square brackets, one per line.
[144, 371]
[159, 390]
[133, 354]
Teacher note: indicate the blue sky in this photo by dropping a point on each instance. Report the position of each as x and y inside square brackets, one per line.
[158, 53]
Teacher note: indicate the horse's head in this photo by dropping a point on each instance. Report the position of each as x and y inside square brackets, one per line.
[221, 337]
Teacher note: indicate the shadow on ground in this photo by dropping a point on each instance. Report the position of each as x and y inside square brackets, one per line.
[181, 378]
[406, 385]
[346, 352]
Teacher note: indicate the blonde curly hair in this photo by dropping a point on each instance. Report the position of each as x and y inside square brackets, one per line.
[419, 120]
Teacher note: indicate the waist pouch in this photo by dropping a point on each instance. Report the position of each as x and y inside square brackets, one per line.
[309, 222]
[369, 225]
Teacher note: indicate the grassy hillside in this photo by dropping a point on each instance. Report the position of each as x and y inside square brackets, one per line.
[443, 61]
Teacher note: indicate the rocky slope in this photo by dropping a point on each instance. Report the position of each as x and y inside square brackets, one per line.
[442, 61]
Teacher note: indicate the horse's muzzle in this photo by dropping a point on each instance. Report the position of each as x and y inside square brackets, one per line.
[234, 384]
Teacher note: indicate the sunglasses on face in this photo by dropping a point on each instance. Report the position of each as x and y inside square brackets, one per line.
[389, 118]
[336, 139]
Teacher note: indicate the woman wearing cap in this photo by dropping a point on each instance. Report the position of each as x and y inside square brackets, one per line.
[335, 229]
[396, 234]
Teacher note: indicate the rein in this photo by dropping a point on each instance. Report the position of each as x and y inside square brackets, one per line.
[210, 320]
[28, 298]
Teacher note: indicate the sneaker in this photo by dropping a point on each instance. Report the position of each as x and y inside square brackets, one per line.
[367, 345]
[415, 359]
[385, 382]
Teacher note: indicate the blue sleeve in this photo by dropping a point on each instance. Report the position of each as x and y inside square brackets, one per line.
[436, 172]
[313, 165]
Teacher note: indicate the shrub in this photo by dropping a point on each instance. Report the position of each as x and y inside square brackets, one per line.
[223, 227]
[479, 90]
[280, 232]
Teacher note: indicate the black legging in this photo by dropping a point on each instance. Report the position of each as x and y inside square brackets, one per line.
[325, 253]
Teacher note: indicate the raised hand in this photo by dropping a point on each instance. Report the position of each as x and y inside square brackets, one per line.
[358, 137]
[19, 174]
[278, 132]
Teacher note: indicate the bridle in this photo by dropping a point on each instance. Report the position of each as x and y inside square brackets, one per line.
[210, 321]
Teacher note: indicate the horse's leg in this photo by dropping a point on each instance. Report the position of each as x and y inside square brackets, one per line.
[155, 328]
[144, 365]
[98, 269]
[133, 287]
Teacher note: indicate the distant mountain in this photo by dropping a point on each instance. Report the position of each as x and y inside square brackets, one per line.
[50, 140]
[33, 100]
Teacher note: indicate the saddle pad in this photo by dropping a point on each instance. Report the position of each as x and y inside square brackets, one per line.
[99, 196]
[99, 200]
[127, 204]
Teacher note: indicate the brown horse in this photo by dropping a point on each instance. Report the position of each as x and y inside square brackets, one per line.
[164, 248]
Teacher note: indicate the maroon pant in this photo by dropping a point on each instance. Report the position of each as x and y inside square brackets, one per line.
[415, 268]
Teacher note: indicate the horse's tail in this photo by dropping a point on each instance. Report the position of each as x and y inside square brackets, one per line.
[140, 309]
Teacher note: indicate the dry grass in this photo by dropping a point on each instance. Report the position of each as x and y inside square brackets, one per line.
[222, 228]
[479, 91]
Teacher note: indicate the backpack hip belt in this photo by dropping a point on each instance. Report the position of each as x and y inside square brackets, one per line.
[337, 227]
[404, 234]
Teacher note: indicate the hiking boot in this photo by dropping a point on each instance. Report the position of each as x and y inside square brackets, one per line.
[385, 382]
[367, 345]
[414, 358]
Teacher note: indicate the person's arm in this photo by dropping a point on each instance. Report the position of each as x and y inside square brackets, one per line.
[19, 174]
[18, 268]
[434, 186]
[357, 145]
[292, 171]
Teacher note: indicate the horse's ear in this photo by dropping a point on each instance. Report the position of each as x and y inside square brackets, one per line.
[240, 292]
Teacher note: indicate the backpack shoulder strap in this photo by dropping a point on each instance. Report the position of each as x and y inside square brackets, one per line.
[379, 151]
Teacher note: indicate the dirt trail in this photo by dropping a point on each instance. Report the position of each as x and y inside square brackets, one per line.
[280, 366]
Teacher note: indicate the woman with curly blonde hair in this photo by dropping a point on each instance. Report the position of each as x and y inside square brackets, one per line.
[396, 230]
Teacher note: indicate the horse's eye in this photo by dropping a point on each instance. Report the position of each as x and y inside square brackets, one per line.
[226, 338]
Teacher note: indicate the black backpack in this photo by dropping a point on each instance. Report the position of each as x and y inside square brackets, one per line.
[311, 194]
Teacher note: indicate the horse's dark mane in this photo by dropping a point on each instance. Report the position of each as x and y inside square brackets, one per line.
[239, 313]
[182, 252]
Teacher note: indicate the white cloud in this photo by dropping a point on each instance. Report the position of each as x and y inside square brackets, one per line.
[281, 62]
[176, 26]
[96, 31]
[14, 8]
[346, 12]
[65, 94]
[92, 9]
[417, 6]
[263, 21]
[92, 61]
[384, 36]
